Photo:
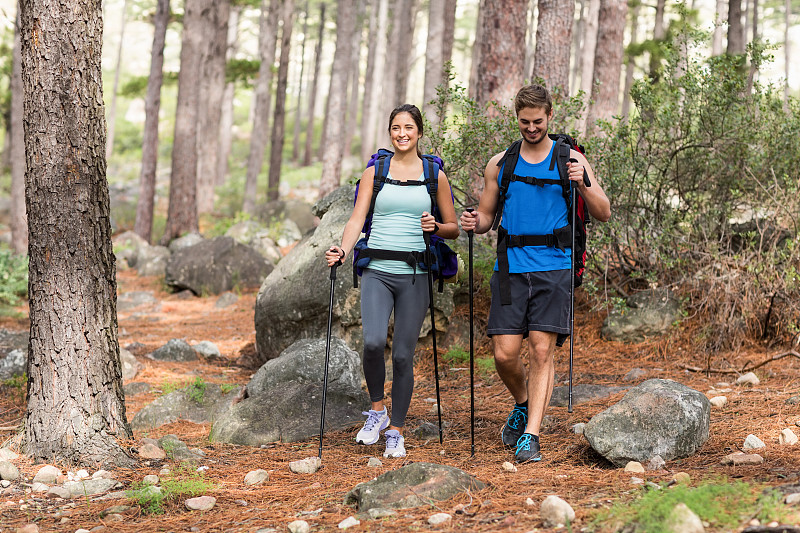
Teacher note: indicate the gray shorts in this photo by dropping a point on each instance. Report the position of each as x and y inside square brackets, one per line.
[539, 302]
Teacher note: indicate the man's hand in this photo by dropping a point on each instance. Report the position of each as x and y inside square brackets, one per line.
[469, 220]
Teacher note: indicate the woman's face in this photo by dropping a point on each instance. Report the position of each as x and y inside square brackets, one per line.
[404, 132]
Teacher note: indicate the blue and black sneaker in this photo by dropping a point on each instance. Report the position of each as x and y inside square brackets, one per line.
[515, 425]
[527, 449]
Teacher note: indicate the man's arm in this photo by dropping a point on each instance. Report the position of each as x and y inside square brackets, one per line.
[480, 221]
[595, 197]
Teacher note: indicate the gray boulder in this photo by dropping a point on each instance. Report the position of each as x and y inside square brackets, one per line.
[176, 350]
[299, 212]
[215, 266]
[198, 404]
[152, 260]
[190, 239]
[284, 397]
[13, 340]
[256, 236]
[130, 366]
[657, 417]
[649, 313]
[411, 486]
[126, 248]
[13, 364]
[130, 300]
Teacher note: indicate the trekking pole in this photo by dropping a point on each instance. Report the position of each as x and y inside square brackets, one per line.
[471, 347]
[428, 252]
[327, 357]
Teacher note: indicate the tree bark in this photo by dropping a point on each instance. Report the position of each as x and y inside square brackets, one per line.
[182, 211]
[259, 137]
[312, 93]
[553, 43]
[152, 105]
[500, 68]
[381, 107]
[212, 90]
[19, 220]
[298, 112]
[630, 62]
[112, 113]
[577, 42]
[608, 60]
[332, 151]
[477, 46]
[449, 36]
[405, 13]
[226, 119]
[279, 122]
[719, 21]
[76, 406]
[433, 57]
[368, 107]
[735, 32]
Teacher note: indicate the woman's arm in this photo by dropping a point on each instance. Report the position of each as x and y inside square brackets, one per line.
[448, 227]
[352, 230]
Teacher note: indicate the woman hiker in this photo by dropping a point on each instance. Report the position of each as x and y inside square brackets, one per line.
[401, 215]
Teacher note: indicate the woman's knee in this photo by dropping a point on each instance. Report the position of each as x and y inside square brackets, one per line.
[374, 348]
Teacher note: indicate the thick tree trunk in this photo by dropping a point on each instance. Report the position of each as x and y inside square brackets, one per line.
[112, 112]
[182, 211]
[553, 42]
[500, 73]
[226, 119]
[152, 104]
[433, 57]
[368, 107]
[312, 93]
[577, 42]
[405, 13]
[76, 406]
[19, 220]
[212, 90]
[630, 63]
[719, 21]
[332, 151]
[608, 60]
[298, 110]
[279, 122]
[477, 46]
[353, 84]
[735, 32]
[587, 60]
[259, 137]
[382, 108]
[449, 36]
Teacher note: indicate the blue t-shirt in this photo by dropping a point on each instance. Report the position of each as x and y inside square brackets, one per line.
[396, 223]
[535, 210]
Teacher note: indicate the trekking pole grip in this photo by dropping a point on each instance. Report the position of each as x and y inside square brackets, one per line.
[586, 180]
[470, 210]
[335, 266]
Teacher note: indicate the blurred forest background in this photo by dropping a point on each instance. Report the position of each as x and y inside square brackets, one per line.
[688, 111]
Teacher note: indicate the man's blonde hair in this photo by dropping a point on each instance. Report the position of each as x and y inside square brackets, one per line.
[535, 96]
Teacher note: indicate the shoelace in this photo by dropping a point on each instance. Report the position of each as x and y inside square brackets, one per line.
[372, 419]
[524, 442]
[392, 441]
[517, 415]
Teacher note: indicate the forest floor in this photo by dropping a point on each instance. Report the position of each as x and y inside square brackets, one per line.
[570, 468]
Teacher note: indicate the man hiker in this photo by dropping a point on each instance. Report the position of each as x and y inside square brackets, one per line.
[531, 280]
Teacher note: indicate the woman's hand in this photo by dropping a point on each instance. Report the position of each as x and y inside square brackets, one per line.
[428, 223]
[334, 256]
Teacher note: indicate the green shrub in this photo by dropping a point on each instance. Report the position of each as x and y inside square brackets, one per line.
[183, 483]
[13, 278]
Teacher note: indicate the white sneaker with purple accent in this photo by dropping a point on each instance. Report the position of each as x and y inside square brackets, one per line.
[394, 444]
[376, 422]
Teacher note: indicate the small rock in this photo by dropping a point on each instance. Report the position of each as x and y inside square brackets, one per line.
[350, 521]
[28, 528]
[243, 503]
[81, 530]
[82, 474]
[682, 478]
[299, 526]
[788, 437]
[755, 522]
[529, 502]
[683, 520]
[508, 467]
[203, 468]
[374, 462]
[654, 486]
[794, 400]
[208, 350]
[47, 474]
[792, 499]
[748, 379]
[5, 483]
[165, 471]
[201, 503]
[578, 428]
[255, 477]
[58, 492]
[656, 463]
[102, 474]
[718, 401]
[722, 385]
[8, 455]
[635, 467]
[225, 299]
[97, 529]
[753, 443]
[151, 479]
[8, 471]
[90, 487]
[635, 374]
[555, 512]
[376, 513]
[309, 465]
[151, 451]
[739, 459]
[115, 517]
[439, 518]
[115, 509]
[39, 487]
[636, 480]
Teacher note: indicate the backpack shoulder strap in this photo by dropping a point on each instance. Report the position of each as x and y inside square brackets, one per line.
[381, 176]
[430, 173]
[508, 163]
[561, 153]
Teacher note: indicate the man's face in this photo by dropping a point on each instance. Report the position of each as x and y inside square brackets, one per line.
[532, 122]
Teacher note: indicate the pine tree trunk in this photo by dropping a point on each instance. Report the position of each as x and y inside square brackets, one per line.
[608, 60]
[332, 151]
[448, 39]
[630, 62]
[553, 42]
[735, 32]
[152, 104]
[279, 122]
[19, 220]
[500, 73]
[259, 137]
[212, 90]
[787, 13]
[76, 406]
[226, 119]
[353, 84]
[433, 57]
[368, 108]
[312, 93]
[382, 108]
[298, 112]
[719, 21]
[112, 113]
[477, 46]
[530, 38]
[577, 43]
[402, 44]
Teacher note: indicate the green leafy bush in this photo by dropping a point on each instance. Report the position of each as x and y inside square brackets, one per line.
[13, 278]
[182, 483]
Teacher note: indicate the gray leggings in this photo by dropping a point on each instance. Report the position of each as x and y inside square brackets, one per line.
[380, 292]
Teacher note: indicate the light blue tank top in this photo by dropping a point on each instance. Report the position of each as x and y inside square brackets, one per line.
[535, 210]
[396, 223]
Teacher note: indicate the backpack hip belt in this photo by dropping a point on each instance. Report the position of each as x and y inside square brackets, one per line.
[412, 259]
